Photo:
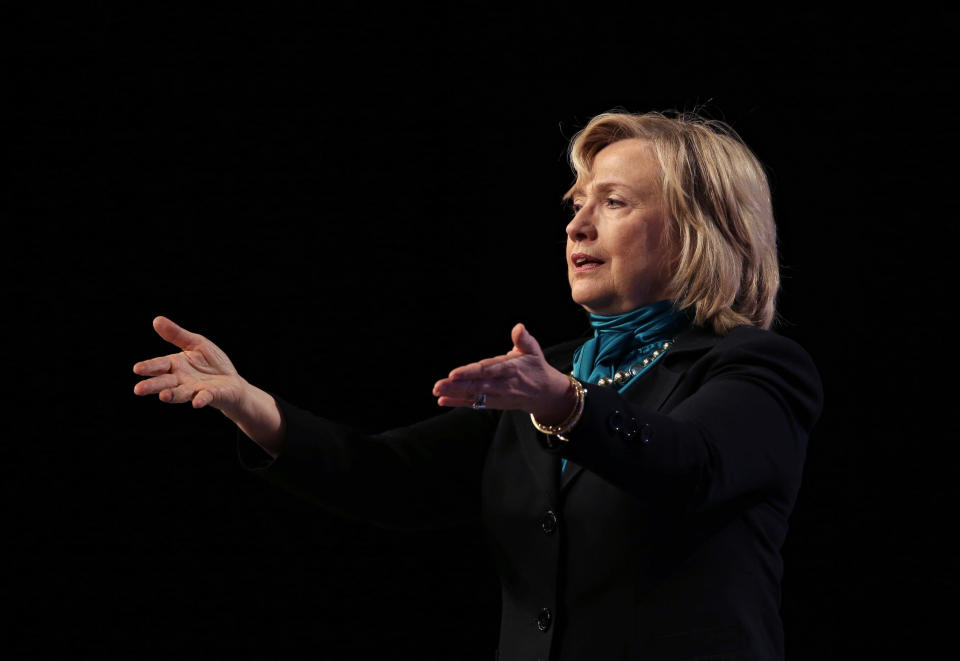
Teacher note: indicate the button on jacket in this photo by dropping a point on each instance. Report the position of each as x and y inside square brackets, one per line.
[660, 540]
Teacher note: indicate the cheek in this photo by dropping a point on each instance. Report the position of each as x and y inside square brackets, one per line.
[648, 238]
[638, 254]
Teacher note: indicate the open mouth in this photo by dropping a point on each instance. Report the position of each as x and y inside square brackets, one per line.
[584, 262]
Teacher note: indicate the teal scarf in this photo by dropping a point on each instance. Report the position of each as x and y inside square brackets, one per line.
[622, 340]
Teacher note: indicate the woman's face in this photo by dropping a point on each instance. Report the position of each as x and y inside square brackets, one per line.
[615, 261]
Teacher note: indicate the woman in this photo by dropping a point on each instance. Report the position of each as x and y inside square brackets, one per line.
[634, 488]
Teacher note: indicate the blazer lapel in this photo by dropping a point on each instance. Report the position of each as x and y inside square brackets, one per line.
[652, 389]
[570, 472]
[544, 465]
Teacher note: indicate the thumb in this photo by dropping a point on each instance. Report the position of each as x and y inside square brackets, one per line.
[524, 341]
[174, 334]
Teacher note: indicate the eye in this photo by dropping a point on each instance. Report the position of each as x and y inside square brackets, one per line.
[615, 203]
[575, 207]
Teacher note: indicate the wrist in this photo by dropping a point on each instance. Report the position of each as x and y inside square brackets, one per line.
[560, 430]
[557, 407]
[240, 407]
[259, 417]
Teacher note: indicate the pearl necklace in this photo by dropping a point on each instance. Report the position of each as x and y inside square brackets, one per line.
[622, 376]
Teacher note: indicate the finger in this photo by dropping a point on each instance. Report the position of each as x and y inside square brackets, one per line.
[453, 401]
[524, 341]
[175, 334]
[203, 398]
[155, 385]
[478, 370]
[491, 401]
[468, 389]
[154, 366]
[179, 395]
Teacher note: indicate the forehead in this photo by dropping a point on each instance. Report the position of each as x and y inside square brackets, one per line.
[630, 163]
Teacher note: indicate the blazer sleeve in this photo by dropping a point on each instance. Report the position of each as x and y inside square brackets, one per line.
[736, 427]
[424, 476]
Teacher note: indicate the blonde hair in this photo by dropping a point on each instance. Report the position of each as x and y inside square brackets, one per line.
[721, 234]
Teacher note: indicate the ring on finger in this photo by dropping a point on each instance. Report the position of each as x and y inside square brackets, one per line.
[480, 401]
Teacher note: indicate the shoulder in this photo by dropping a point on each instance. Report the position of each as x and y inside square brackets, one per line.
[743, 343]
[764, 358]
[766, 347]
[753, 340]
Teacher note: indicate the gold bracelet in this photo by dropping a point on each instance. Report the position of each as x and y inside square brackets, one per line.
[564, 428]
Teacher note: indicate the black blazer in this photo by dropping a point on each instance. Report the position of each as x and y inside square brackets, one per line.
[660, 540]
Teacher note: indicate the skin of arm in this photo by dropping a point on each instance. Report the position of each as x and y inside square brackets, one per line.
[201, 373]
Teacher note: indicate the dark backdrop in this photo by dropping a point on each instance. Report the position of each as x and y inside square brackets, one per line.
[352, 202]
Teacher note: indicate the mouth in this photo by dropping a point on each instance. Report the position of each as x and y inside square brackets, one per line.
[583, 262]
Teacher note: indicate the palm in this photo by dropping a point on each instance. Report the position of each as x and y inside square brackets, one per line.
[194, 365]
[201, 372]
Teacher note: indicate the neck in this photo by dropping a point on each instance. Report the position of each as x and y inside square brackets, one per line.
[646, 316]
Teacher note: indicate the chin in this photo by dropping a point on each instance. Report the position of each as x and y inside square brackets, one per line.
[592, 304]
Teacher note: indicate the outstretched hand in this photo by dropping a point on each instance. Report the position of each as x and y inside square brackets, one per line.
[521, 379]
[200, 373]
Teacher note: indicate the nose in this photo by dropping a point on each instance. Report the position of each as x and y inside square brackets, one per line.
[582, 227]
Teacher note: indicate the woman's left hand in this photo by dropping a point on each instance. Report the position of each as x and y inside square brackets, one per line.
[521, 379]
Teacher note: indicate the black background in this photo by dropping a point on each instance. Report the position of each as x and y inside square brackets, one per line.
[352, 202]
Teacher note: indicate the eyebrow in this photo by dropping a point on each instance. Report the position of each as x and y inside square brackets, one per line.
[603, 187]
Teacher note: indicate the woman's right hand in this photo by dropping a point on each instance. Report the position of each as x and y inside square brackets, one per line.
[202, 374]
